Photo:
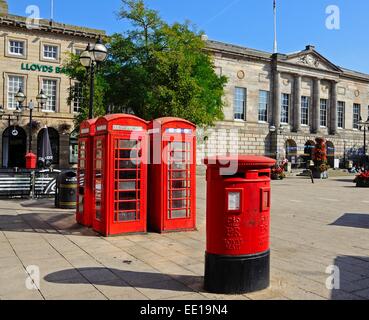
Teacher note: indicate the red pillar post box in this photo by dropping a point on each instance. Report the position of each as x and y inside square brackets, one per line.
[238, 222]
[120, 175]
[85, 195]
[172, 195]
[31, 161]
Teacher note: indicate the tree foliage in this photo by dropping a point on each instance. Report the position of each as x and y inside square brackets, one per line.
[156, 70]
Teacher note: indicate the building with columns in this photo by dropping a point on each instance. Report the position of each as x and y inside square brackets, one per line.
[280, 103]
[32, 53]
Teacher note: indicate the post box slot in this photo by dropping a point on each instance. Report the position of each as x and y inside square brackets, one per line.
[240, 174]
[264, 174]
[128, 178]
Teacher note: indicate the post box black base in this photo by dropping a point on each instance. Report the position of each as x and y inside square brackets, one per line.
[237, 274]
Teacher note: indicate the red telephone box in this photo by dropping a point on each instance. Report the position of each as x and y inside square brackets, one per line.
[85, 195]
[120, 175]
[172, 175]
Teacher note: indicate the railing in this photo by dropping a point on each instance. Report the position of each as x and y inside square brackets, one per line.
[38, 184]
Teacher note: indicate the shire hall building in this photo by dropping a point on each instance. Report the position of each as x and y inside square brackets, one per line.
[280, 103]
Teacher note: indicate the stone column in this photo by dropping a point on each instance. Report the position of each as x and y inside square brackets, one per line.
[333, 99]
[315, 126]
[277, 99]
[297, 104]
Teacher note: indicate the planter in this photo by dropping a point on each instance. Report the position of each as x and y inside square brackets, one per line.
[362, 184]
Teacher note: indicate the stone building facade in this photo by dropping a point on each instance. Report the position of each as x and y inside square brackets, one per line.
[31, 56]
[278, 104]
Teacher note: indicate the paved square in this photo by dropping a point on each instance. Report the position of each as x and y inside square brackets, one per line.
[313, 227]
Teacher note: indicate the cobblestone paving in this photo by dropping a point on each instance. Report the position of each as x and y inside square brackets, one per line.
[313, 227]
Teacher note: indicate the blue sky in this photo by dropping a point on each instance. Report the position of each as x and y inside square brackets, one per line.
[243, 22]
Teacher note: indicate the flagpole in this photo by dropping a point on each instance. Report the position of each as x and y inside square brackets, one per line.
[275, 48]
[52, 10]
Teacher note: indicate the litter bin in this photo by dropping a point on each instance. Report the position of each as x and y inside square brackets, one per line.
[237, 224]
[66, 190]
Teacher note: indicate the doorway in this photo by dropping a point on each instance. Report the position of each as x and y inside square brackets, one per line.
[14, 147]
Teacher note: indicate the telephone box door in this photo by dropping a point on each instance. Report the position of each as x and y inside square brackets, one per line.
[179, 179]
[129, 185]
[81, 174]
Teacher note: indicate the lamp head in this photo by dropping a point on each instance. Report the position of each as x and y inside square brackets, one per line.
[99, 51]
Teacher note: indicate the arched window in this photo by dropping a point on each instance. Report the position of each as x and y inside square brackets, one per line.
[73, 147]
[14, 147]
[54, 141]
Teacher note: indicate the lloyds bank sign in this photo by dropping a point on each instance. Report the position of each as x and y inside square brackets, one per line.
[34, 67]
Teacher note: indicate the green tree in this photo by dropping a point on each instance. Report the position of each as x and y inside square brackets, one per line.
[79, 73]
[156, 69]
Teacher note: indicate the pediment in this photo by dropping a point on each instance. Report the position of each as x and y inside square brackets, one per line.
[312, 59]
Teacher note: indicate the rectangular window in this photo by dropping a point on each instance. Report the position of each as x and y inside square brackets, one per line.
[263, 105]
[240, 103]
[50, 89]
[16, 47]
[341, 114]
[51, 52]
[77, 97]
[14, 83]
[305, 106]
[323, 112]
[285, 106]
[356, 115]
[78, 52]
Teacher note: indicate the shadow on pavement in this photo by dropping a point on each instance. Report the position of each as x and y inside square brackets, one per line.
[46, 203]
[109, 277]
[43, 223]
[353, 220]
[353, 272]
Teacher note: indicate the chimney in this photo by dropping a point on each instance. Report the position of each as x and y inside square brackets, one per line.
[4, 10]
[310, 47]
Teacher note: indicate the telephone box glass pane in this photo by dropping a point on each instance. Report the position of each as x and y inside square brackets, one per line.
[98, 186]
[234, 201]
[179, 214]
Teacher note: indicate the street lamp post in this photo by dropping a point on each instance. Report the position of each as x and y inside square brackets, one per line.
[9, 117]
[90, 59]
[41, 98]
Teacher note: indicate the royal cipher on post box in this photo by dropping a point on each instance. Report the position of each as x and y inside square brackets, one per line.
[120, 175]
[85, 195]
[172, 175]
[237, 224]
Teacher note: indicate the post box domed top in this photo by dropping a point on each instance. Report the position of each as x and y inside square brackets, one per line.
[120, 122]
[87, 127]
[170, 121]
[243, 161]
